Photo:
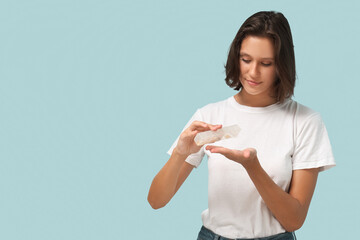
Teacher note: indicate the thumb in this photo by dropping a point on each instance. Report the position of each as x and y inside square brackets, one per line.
[249, 152]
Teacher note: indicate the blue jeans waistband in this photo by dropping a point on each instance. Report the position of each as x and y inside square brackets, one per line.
[206, 234]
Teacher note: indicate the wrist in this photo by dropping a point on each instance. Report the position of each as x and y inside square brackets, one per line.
[180, 154]
[252, 166]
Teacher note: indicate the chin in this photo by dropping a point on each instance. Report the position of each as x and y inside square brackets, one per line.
[251, 91]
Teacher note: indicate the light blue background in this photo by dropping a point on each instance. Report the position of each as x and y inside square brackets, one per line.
[93, 93]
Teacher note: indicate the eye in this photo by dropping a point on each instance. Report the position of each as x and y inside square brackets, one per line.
[245, 60]
[266, 64]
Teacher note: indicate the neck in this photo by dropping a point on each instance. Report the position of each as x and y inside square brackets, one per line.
[254, 100]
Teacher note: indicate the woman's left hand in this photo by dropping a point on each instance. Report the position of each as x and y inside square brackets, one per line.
[289, 208]
[246, 157]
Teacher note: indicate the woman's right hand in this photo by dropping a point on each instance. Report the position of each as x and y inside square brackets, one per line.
[186, 144]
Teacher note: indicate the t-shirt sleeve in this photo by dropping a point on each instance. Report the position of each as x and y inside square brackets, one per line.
[312, 145]
[195, 158]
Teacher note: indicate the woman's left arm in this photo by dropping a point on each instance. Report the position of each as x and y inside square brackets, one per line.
[290, 209]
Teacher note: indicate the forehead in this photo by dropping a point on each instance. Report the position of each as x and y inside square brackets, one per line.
[257, 47]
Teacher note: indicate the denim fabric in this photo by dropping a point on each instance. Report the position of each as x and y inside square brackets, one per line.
[206, 234]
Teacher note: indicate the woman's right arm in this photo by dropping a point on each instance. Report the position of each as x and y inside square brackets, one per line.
[176, 170]
[168, 180]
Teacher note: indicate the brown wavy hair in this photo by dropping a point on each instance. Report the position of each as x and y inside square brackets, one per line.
[275, 26]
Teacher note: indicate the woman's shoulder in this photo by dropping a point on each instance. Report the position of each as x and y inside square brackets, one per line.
[300, 110]
[303, 114]
[213, 112]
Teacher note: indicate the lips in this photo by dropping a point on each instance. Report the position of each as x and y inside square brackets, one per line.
[253, 83]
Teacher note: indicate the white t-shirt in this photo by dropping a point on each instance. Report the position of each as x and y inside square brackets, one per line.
[287, 137]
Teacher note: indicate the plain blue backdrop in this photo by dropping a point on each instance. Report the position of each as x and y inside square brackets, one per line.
[93, 93]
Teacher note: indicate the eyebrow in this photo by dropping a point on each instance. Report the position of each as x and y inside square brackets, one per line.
[242, 54]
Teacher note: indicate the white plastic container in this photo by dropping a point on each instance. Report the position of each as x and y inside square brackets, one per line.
[220, 134]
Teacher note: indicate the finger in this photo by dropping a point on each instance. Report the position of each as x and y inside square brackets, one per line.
[198, 125]
[202, 126]
[209, 147]
[191, 134]
[246, 153]
[215, 127]
[229, 153]
[210, 127]
[249, 152]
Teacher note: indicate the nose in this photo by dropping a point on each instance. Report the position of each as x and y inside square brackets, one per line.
[254, 70]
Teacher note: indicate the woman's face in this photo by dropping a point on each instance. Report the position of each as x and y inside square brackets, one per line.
[257, 66]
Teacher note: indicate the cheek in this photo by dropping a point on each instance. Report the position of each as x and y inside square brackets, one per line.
[270, 74]
[243, 69]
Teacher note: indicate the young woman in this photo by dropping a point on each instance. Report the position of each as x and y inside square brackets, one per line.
[262, 181]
